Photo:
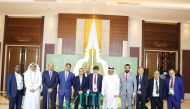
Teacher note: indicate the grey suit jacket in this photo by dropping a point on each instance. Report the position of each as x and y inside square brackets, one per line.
[128, 86]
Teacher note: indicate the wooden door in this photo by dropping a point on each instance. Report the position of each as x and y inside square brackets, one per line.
[13, 58]
[151, 63]
[172, 60]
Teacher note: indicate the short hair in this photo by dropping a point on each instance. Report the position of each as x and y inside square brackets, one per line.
[68, 64]
[87, 65]
[50, 64]
[172, 69]
[141, 68]
[157, 71]
[127, 65]
[81, 68]
[95, 68]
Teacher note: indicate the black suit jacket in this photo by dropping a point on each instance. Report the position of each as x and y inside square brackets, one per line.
[11, 85]
[144, 84]
[47, 83]
[99, 83]
[77, 87]
[162, 88]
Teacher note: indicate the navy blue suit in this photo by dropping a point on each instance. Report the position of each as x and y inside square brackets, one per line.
[49, 83]
[99, 89]
[80, 87]
[175, 101]
[14, 94]
[144, 87]
[157, 101]
[65, 88]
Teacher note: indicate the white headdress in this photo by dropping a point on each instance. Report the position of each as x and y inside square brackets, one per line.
[28, 71]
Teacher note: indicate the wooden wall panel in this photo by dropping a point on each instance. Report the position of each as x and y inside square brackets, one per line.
[67, 31]
[186, 69]
[23, 30]
[118, 31]
[118, 34]
[161, 36]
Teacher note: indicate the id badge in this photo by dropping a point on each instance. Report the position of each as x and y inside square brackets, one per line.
[95, 90]
[172, 91]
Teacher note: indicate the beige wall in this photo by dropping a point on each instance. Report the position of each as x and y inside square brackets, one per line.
[185, 39]
[135, 35]
[185, 44]
[50, 33]
[2, 20]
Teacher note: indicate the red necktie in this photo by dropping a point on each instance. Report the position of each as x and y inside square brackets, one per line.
[126, 76]
[95, 79]
[172, 83]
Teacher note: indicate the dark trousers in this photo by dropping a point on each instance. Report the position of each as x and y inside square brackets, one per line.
[140, 102]
[52, 101]
[61, 100]
[17, 100]
[80, 99]
[173, 103]
[156, 103]
[94, 100]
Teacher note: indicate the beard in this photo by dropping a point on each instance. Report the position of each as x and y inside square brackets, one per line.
[127, 71]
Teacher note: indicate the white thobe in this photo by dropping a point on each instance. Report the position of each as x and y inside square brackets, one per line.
[32, 81]
[110, 88]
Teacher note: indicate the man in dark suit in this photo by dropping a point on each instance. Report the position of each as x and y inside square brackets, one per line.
[49, 82]
[157, 91]
[95, 86]
[66, 78]
[80, 85]
[87, 70]
[14, 88]
[175, 90]
[142, 86]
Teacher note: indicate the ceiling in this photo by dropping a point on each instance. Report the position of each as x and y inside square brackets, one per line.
[163, 10]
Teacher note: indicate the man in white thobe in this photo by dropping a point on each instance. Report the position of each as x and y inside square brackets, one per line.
[110, 90]
[33, 81]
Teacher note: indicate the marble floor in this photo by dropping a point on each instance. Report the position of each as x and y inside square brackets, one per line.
[4, 103]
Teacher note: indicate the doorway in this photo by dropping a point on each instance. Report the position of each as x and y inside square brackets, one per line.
[160, 60]
[20, 54]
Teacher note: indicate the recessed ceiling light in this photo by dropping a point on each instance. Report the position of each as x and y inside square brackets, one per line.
[128, 3]
[122, 3]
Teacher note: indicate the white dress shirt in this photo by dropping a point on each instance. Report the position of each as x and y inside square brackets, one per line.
[66, 74]
[154, 94]
[95, 85]
[80, 77]
[50, 74]
[171, 90]
[19, 81]
[127, 75]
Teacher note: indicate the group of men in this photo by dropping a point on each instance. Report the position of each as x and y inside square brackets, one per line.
[157, 89]
[90, 88]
